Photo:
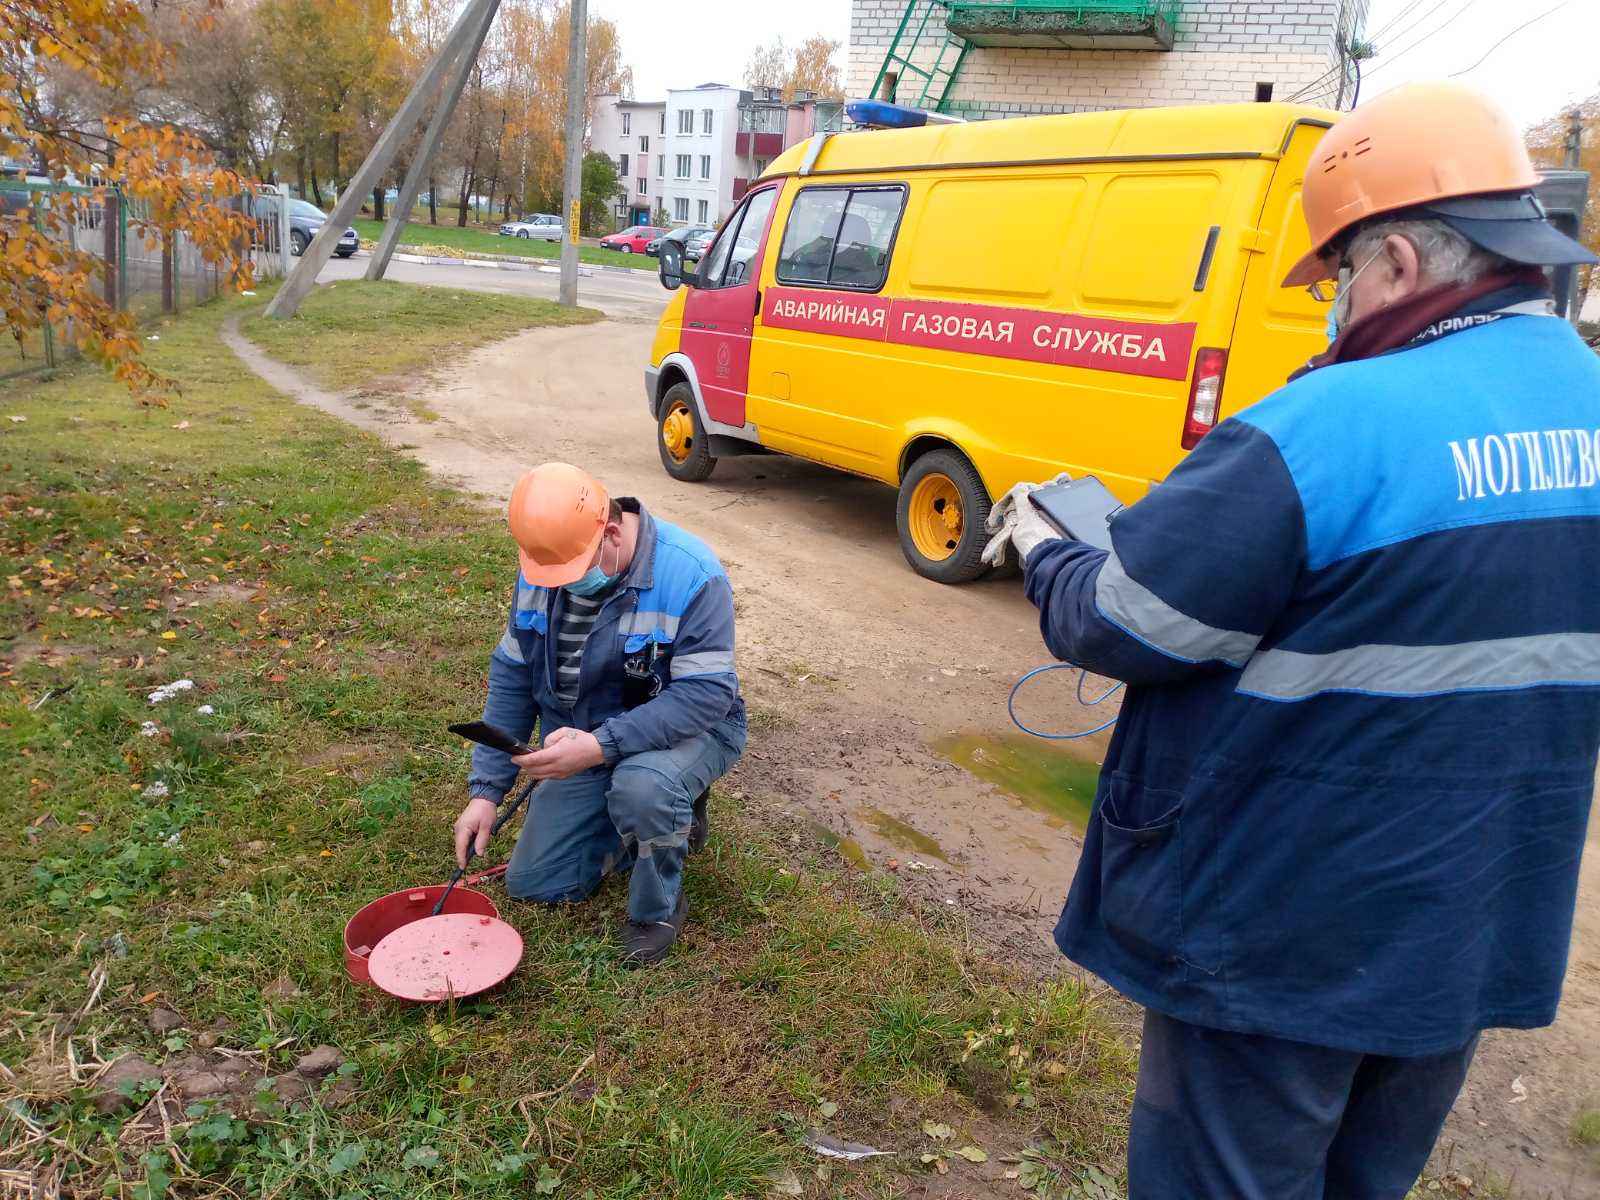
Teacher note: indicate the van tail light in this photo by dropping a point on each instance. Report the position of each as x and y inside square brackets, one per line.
[1205, 395]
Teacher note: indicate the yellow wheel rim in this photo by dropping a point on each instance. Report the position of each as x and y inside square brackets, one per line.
[935, 517]
[677, 431]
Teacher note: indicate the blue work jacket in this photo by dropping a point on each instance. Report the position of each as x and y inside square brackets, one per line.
[1346, 797]
[670, 618]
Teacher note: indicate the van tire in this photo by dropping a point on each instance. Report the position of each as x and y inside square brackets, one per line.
[680, 437]
[947, 477]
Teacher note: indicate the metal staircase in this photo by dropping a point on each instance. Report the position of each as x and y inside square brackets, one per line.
[1029, 24]
[902, 63]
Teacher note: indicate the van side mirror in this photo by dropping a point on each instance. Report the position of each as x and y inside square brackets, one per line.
[674, 273]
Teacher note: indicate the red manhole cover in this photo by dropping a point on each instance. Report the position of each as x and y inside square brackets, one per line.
[454, 954]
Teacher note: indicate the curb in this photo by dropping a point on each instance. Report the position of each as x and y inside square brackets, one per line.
[506, 262]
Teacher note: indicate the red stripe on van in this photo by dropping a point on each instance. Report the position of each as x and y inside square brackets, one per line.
[1151, 349]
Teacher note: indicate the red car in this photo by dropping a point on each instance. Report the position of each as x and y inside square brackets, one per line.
[633, 239]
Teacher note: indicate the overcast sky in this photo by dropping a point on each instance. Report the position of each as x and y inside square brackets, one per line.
[1552, 61]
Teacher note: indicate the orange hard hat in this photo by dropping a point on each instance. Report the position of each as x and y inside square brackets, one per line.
[557, 515]
[1418, 143]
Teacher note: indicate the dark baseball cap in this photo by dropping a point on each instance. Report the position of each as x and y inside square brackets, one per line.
[1513, 225]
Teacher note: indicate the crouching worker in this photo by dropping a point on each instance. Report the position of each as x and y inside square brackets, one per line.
[620, 646]
[1338, 828]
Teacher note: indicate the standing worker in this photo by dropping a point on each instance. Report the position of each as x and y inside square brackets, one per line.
[1339, 824]
[620, 645]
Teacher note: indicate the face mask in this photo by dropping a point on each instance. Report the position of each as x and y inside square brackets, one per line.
[594, 580]
[1340, 308]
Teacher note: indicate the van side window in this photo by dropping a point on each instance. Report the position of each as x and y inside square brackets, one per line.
[728, 263]
[840, 237]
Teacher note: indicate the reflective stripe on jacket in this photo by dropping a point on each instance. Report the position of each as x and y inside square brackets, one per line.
[1347, 795]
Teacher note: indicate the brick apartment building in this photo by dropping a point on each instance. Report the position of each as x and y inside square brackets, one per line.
[994, 58]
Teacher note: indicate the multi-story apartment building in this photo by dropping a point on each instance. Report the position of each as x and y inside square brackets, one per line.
[630, 132]
[694, 154]
[996, 58]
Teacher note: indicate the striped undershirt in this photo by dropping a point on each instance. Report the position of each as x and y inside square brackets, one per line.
[577, 620]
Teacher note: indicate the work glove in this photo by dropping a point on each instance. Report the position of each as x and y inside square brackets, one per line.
[1015, 521]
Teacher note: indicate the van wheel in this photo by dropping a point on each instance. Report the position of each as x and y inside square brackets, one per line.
[681, 439]
[943, 505]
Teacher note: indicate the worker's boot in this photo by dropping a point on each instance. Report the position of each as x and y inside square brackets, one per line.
[645, 943]
[700, 827]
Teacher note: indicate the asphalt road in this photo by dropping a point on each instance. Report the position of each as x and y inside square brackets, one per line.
[620, 295]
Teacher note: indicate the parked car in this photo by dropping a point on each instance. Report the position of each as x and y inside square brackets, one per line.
[544, 226]
[305, 219]
[693, 238]
[633, 239]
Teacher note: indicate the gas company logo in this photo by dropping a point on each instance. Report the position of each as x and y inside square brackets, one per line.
[724, 360]
[1126, 347]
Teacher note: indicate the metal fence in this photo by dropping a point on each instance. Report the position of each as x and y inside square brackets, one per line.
[138, 273]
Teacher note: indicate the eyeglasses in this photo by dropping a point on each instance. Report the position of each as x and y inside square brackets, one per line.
[1324, 290]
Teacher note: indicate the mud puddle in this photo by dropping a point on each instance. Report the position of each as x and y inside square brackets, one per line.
[1048, 779]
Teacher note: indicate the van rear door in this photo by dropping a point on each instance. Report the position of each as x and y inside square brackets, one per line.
[1277, 328]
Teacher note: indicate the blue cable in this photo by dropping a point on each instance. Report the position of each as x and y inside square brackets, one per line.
[1083, 675]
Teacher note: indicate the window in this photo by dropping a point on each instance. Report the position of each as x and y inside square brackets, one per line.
[733, 253]
[705, 166]
[683, 166]
[663, 128]
[840, 237]
[702, 211]
[661, 166]
[705, 120]
[644, 186]
[686, 120]
[627, 123]
[622, 167]
[644, 143]
[680, 208]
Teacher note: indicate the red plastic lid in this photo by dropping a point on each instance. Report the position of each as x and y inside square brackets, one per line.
[454, 954]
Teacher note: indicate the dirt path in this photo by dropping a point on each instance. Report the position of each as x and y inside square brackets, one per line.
[855, 667]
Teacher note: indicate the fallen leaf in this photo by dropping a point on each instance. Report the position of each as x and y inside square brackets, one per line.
[148, 997]
[181, 425]
[827, 1108]
[973, 1154]
[168, 636]
[15, 419]
[1519, 1090]
[86, 828]
[935, 1130]
[324, 853]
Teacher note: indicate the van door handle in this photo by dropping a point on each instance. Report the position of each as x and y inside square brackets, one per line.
[758, 303]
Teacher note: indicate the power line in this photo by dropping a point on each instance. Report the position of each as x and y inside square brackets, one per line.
[1389, 60]
[1428, 36]
[1509, 36]
[1404, 12]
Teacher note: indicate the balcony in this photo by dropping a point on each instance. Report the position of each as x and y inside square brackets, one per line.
[760, 145]
[1066, 24]
[740, 187]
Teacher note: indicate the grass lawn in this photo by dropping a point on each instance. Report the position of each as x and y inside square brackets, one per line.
[356, 329]
[335, 608]
[447, 239]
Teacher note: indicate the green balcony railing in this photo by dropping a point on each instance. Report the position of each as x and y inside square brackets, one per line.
[1066, 24]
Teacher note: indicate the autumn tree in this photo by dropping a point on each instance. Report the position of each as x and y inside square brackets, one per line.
[69, 72]
[810, 67]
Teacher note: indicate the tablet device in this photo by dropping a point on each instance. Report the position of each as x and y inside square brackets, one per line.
[1079, 508]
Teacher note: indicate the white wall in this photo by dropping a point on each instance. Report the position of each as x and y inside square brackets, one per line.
[717, 191]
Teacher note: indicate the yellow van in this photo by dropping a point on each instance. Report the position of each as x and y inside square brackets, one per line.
[956, 308]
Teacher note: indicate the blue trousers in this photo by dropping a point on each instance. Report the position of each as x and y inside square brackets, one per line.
[633, 816]
[1233, 1116]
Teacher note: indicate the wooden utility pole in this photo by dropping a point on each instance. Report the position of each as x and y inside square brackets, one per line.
[304, 276]
[422, 164]
[572, 185]
[1574, 138]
